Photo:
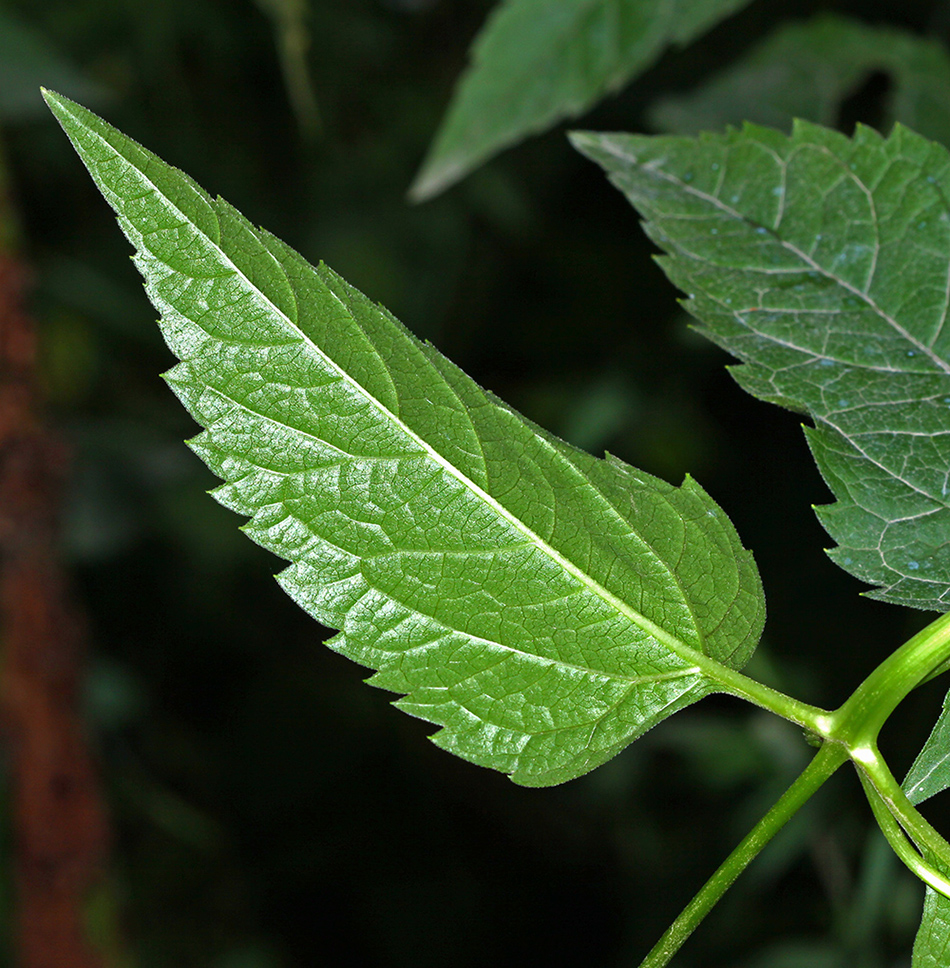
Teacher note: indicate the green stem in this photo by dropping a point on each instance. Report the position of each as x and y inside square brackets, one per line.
[898, 840]
[876, 774]
[822, 766]
[850, 732]
[857, 723]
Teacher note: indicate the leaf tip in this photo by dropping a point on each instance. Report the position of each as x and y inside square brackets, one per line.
[585, 142]
[52, 100]
[435, 177]
[64, 110]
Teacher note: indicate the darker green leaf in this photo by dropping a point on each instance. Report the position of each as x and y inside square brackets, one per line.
[536, 62]
[823, 263]
[807, 70]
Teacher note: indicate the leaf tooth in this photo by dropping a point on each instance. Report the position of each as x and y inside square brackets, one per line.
[252, 257]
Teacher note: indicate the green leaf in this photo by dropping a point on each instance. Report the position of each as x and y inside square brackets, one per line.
[536, 62]
[932, 945]
[543, 606]
[822, 263]
[929, 775]
[807, 70]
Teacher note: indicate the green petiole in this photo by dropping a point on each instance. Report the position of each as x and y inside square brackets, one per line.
[850, 732]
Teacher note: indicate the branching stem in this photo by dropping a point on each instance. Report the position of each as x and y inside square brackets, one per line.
[856, 726]
[849, 732]
[822, 766]
[858, 722]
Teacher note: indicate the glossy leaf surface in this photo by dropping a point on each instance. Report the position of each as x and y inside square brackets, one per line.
[536, 62]
[543, 606]
[823, 263]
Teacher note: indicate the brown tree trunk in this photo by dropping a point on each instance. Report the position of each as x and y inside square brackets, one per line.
[60, 832]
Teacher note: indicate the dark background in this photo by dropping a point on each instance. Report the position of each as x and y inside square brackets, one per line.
[271, 811]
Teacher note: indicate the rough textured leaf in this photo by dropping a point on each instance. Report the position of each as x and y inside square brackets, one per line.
[543, 606]
[807, 70]
[823, 263]
[930, 775]
[536, 62]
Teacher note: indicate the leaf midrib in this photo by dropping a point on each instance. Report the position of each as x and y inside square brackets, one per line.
[533, 540]
[561, 663]
[938, 361]
[866, 297]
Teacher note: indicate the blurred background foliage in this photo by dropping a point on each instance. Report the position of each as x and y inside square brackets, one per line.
[269, 810]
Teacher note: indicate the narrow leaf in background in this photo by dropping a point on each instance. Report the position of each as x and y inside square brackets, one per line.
[821, 261]
[807, 70]
[536, 62]
[543, 606]
[932, 945]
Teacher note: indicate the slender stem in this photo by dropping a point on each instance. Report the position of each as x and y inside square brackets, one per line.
[898, 840]
[874, 773]
[822, 766]
[849, 732]
[858, 722]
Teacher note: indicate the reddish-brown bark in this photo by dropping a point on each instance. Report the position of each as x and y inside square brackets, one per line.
[60, 831]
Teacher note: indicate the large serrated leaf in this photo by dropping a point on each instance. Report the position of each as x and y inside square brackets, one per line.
[807, 70]
[536, 62]
[823, 262]
[543, 606]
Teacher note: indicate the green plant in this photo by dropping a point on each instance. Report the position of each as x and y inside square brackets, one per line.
[544, 607]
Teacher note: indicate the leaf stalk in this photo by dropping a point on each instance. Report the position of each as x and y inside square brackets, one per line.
[809, 717]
